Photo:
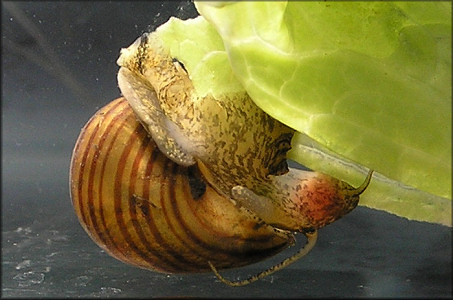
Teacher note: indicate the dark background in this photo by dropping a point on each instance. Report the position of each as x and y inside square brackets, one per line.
[58, 68]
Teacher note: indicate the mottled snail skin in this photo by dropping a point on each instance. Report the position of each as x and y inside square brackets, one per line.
[240, 150]
[146, 210]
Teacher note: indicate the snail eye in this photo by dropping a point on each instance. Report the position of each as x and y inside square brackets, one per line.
[180, 64]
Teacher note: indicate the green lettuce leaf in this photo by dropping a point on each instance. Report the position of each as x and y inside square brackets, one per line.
[368, 82]
[371, 81]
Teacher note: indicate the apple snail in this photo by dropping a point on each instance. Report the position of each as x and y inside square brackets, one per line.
[164, 179]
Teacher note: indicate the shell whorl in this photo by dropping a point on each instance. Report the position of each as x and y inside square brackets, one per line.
[147, 211]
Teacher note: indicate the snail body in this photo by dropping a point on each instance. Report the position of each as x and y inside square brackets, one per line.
[240, 150]
[145, 210]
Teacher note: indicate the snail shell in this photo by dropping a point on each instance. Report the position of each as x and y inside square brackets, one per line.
[145, 210]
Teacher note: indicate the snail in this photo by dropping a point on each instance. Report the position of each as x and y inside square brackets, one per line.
[167, 180]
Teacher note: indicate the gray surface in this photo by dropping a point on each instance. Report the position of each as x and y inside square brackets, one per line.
[58, 67]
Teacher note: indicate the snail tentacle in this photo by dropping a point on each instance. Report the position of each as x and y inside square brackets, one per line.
[360, 189]
[311, 241]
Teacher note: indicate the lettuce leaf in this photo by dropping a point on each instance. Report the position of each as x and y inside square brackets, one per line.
[368, 83]
[371, 81]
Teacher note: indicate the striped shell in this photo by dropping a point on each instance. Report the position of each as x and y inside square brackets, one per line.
[145, 210]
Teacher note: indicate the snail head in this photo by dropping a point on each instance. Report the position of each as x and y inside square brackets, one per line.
[302, 201]
[325, 199]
